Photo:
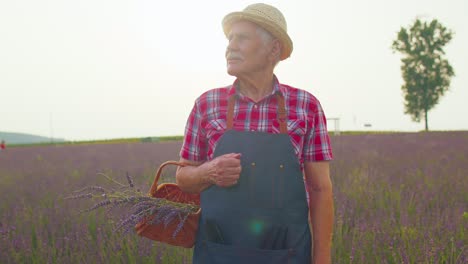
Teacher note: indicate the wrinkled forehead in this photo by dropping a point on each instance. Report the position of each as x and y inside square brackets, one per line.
[242, 27]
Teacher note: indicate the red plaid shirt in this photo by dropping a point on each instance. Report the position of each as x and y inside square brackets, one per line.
[306, 122]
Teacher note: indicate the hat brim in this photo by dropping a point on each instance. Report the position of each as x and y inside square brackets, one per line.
[281, 35]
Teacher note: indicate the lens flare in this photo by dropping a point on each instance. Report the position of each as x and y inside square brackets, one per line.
[256, 226]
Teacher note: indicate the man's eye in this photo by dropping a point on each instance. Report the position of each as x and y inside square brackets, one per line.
[237, 38]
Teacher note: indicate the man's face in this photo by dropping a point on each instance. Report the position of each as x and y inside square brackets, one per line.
[246, 53]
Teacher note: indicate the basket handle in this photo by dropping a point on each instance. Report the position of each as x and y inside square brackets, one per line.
[154, 186]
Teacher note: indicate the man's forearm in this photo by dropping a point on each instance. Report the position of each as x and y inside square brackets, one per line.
[321, 216]
[193, 179]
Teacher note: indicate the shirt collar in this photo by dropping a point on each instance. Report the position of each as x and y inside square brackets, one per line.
[277, 88]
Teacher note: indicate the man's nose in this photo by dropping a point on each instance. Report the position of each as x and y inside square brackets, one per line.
[232, 45]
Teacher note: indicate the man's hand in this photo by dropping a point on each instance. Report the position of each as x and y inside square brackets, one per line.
[224, 171]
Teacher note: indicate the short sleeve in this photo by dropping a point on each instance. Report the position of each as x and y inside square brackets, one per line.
[317, 146]
[194, 146]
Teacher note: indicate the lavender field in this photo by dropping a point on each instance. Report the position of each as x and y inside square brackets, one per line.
[399, 198]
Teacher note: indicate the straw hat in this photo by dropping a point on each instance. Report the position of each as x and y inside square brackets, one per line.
[269, 18]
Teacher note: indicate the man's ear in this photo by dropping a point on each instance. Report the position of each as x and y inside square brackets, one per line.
[276, 50]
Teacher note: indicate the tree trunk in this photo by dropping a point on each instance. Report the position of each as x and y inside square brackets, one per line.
[426, 107]
[425, 118]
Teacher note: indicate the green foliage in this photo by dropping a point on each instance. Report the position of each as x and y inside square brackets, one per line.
[426, 73]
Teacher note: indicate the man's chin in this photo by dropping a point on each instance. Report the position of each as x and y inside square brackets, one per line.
[232, 72]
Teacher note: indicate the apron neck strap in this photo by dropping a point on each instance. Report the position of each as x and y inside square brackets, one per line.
[281, 112]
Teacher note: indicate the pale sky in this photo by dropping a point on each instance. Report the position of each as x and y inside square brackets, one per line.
[101, 69]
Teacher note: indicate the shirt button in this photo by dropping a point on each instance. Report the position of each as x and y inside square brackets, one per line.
[255, 106]
[253, 130]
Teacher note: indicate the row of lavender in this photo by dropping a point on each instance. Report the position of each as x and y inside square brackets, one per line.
[399, 198]
[37, 225]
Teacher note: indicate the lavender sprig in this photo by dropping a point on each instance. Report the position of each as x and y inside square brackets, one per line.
[79, 196]
[180, 225]
[139, 206]
[92, 188]
[130, 180]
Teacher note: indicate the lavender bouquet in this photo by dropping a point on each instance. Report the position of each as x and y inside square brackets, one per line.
[139, 205]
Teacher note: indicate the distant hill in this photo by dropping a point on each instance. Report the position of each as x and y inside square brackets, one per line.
[21, 138]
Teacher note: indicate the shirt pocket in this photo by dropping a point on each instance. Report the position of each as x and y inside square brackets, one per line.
[297, 130]
[215, 127]
[295, 127]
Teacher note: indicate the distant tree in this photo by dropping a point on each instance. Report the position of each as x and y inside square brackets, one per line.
[425, 72]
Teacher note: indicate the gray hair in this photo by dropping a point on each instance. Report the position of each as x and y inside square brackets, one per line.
[267, 37]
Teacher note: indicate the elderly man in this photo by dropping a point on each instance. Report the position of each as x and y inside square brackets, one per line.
[258, 154]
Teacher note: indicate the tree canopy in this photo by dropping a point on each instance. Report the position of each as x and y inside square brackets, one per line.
[425, 71]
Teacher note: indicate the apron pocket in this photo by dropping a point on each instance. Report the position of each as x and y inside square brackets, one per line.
[227, 254]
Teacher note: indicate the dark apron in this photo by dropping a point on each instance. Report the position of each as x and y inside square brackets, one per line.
[264, 217]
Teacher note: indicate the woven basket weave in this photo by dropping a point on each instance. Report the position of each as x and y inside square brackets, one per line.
[159, 232]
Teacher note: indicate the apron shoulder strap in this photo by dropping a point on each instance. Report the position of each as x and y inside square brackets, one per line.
[230, 112]
[282, 116]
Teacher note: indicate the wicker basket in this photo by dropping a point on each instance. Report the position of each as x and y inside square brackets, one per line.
[158, 232]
